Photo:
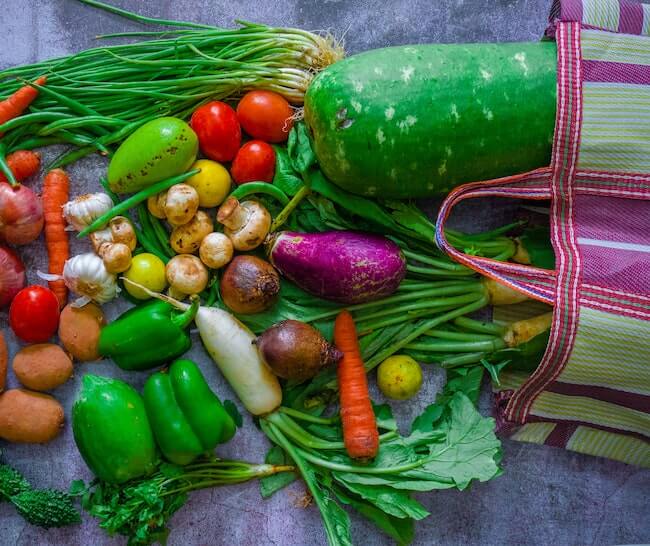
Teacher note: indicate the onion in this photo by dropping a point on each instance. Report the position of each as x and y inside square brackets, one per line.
[295, 350]
[12, 275]
[21, 214]
[249, 285]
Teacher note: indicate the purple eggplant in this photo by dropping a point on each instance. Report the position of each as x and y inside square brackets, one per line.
[343, 266]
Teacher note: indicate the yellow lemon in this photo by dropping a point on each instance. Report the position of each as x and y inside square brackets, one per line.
[399, 377]
[149, 271]
[212, 183]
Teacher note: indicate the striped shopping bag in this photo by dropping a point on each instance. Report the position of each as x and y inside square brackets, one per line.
[591, 391]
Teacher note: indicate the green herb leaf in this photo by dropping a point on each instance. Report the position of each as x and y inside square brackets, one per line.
[384, 417]
[271, 484]
[463, 379]
[301, 155]
[77, 488]
[470, 450]
[285, 177]
[400, 529]
[392, 501]
[410, 216]
[232, 410]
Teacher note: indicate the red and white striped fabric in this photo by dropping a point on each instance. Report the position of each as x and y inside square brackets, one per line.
[591, 391]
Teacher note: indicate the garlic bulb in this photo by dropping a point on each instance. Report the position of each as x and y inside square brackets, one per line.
[86, 275]
[85, 209]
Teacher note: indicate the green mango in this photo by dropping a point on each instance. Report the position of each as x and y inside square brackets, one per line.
[160, 149]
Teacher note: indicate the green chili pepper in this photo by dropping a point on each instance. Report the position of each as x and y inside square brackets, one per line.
[187, 418]
[147, 336]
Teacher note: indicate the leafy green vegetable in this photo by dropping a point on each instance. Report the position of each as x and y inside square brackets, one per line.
[285, 176]
[400, 529]
[537, 242]
[299, 149]
[271, 484]
[141, 508]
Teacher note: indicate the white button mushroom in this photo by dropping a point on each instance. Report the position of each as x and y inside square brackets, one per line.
[115, 243]
[187, 238]
[186, 274]
[181, 204]
[216, 250]
[246, 224]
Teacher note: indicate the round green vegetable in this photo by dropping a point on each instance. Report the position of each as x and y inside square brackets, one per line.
[160, 149]
[416, 121]
[399, 377]
[112, 431]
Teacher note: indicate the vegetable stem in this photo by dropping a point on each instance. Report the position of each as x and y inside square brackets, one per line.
[284, 214]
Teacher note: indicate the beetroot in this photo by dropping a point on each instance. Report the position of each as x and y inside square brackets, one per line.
[343, 266]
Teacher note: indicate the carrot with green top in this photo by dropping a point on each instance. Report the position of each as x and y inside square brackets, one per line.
[360, 434]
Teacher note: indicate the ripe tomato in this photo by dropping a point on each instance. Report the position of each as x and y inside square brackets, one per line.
[265, 115]
[218, 130]
[254, 161]
[34, 314]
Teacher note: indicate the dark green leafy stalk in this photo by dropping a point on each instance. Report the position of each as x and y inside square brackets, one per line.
[135, 200]
[141, 508]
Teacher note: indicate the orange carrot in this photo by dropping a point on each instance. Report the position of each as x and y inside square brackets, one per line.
[360, 434]
[15, 104]
[55, 194]
[23, 163]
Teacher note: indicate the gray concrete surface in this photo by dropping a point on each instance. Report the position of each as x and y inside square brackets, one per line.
[546, 496]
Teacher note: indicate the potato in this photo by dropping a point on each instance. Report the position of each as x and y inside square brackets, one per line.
[79, 329]
[29, 417]
[4, 359]
[42, 367]
[186, 239]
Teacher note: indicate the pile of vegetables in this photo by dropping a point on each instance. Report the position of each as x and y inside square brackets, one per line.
[215, 212]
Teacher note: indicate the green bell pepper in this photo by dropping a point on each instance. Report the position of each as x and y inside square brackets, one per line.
[187, 418]
[111, 430]
[148, 335]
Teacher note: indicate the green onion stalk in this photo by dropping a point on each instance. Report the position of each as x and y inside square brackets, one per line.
[94, 99]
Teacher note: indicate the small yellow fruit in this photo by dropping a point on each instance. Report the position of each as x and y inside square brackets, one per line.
[149, 271]
[212, 183]
[399, 377]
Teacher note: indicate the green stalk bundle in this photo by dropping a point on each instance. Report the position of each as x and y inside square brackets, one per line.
[94, 99]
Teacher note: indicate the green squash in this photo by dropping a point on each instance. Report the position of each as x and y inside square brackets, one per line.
[160, 149]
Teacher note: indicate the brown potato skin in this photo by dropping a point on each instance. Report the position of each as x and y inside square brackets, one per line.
[29, 417]
[79, 329]
[42, 367]
[4, 360]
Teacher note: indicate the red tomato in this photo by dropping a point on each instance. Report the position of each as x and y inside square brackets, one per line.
[34, 314]
[255, 161]
[218, 130]
[265, 115]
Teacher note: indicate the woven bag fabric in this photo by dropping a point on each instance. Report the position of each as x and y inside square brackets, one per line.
[591, 391]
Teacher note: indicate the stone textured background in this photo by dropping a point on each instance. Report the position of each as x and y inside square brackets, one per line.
[546, 496]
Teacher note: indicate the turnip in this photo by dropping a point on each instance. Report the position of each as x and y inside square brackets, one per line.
[344, 266]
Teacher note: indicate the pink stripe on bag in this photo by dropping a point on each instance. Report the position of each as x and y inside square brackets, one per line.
[612, 219]
[626, 270]
[631, 17]
[608, 72]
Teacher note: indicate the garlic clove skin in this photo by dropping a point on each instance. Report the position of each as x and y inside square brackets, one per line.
[216, 250]
[246, 224]
[86, 275]
[100, 237]
[85, 209]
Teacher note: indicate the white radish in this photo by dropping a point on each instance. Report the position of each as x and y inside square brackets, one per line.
[232, 347]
